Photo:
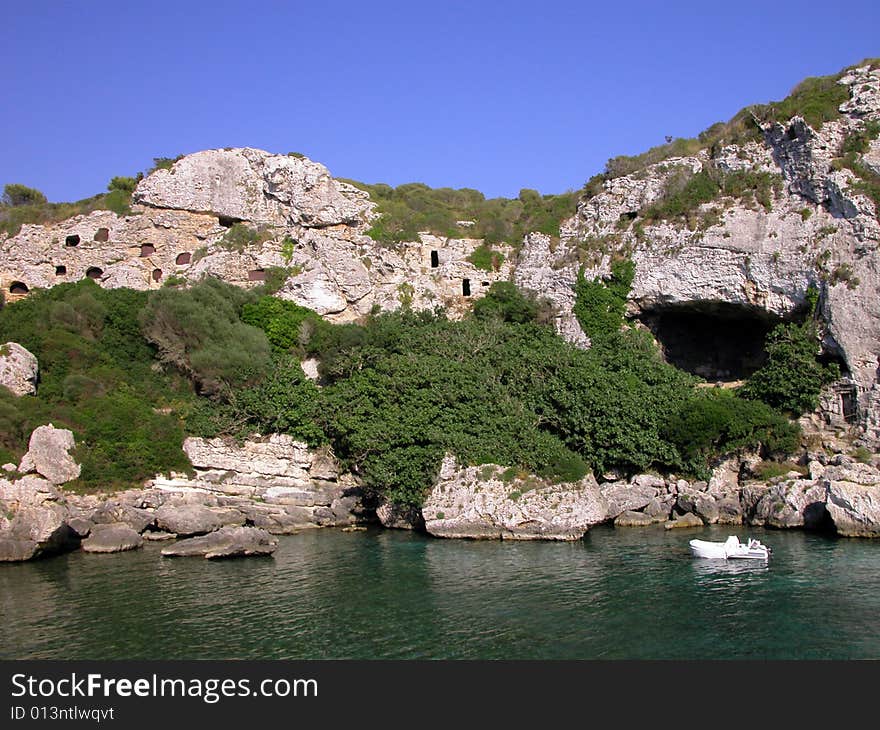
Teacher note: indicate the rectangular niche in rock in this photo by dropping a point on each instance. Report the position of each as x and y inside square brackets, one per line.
[435, 259]
[102, 235]
[147, 249]
[60, 270]
[257, 275]
[72, 240]
[465, 287]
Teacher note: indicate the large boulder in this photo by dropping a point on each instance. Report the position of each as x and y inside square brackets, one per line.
[400, 517]
[792, 503]
[48, 455]
[113, 538]
[253, 185]
[624, 496]
[18, 369]
[195, 519]
[33, 519]
[854, 508]
[228, 542]
[477, 502]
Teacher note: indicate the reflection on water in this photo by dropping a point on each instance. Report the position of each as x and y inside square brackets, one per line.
[633, 593]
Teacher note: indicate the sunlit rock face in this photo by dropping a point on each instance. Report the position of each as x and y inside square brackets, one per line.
[739, 266]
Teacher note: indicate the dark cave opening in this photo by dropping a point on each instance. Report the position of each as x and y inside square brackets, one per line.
[715, 340]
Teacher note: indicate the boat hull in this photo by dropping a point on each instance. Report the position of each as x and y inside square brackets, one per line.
[731, 550]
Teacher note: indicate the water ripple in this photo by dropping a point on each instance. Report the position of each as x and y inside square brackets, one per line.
[382, 594]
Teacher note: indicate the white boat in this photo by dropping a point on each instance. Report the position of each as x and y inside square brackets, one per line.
[730, 549]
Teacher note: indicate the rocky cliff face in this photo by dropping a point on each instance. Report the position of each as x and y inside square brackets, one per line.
[291, 215]
[709, 285]
[738, 264]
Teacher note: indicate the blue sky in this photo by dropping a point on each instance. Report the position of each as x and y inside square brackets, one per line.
[491, 95]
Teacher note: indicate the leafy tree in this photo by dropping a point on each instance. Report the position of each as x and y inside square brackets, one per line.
[199, 332]
[15, 194]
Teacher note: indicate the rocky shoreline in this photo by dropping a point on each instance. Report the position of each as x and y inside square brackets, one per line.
[241, 495]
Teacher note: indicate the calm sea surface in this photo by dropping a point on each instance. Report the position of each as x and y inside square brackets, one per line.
[620, 594]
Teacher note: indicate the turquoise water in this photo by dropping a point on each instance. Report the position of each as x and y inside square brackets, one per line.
[621, 594]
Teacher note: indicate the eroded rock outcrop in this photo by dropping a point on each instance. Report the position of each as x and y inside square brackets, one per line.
[737, 264]
[276, 483]
[252, 185]
[477, 502]
[227, 542]
[33, 519]
[18, 369]
[48, 455]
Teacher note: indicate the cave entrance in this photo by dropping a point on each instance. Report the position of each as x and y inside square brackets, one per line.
[715, 340]
[435, 259]
[465, 287]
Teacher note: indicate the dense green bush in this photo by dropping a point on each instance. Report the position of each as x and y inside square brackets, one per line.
[288, 326]
[793, 375]
[96, 378]
[716, 421]
[199, 332]
[504, 301]
[284, 401]
[600, 304]
[483, 257]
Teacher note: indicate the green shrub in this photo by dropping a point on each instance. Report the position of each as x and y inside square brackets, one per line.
[282, 321]
[793, 375]
[408, 209]
[600, 305]
[504, 301]
[815, 99]
[483, 257]
[15, 195]
[95, 379]
[199, 332]
[716, 421]
[772, 469]
[241, 235]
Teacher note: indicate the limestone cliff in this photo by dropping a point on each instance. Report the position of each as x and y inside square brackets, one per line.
[709, 284]
[237, 213]
[737, 264]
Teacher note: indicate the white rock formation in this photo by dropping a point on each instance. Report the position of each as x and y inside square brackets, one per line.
[33, 519]
[476, 502]
[48, 455]
[18, 369]
[255, 186]
[817, 229]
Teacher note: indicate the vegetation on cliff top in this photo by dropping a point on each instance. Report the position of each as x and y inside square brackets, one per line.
[465, 213]
[816, 99]
[21, 204]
